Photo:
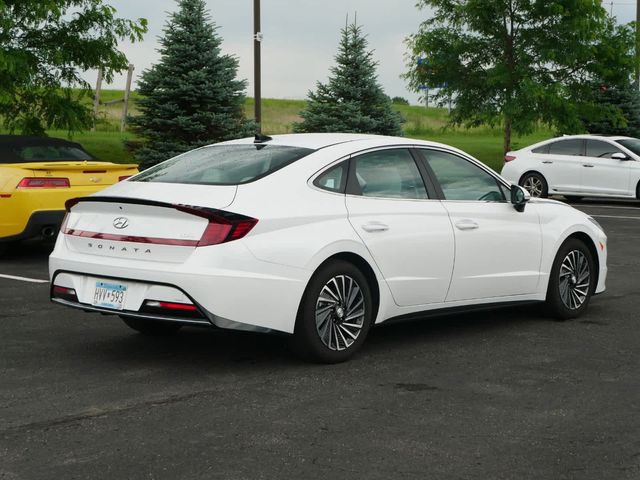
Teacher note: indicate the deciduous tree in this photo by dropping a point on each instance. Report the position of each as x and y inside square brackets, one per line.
[521, 62]
[45, 47]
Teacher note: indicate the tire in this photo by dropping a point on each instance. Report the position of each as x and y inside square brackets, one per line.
[152, 328]
[571, 286]
[573, 198]
[535, 184]
[324, 333]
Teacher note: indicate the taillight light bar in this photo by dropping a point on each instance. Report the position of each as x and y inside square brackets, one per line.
[222, 227]
[44, 182]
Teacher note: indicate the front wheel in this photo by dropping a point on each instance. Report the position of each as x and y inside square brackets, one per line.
[154, 328]
[572, 281]
[535, 184]
[335, 314]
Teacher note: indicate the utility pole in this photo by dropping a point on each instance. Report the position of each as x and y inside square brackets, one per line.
[125, 107]
[96, 100]
[637, 44]
[257, 39]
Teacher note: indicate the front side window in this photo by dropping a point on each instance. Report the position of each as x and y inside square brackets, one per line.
[462, 180]
[567, 147]
[600, 149]
[388, 174]
[632, 144]
[223, 164]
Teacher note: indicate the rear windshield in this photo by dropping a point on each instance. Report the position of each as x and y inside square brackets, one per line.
[632, 144]
[43, 153]
[223, 164]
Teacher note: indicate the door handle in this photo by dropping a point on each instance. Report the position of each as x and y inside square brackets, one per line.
[375, 227]
[467, 225]
[548, 162]
[587, 165]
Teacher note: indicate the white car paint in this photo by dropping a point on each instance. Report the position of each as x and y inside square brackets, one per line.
[579, 175]
[424, 254]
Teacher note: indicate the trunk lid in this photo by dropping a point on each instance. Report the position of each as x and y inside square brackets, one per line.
[82, 173]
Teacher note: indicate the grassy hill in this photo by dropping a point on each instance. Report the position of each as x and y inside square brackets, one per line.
[279, 115]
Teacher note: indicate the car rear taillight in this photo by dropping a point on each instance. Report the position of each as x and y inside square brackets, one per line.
[124, 177]
[64, 293]
[222, 227]
[509, 158]
[171, 309]
[44, 182]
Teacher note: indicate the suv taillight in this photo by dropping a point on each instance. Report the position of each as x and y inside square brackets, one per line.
[44, 182]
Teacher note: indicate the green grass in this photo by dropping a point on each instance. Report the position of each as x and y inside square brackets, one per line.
[484, 143]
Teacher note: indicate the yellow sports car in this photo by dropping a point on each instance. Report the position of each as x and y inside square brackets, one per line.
[37, 175]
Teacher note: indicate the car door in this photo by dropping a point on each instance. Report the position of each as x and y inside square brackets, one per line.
[498, 249]
[408, 234]
[562, 165]
[601, 174]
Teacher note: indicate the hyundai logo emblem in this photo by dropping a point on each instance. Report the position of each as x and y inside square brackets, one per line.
[121, 222]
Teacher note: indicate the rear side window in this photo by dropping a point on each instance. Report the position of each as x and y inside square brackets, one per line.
[334, 179]
[224, 164]
[388, 174]
[50, 153]
[567, 147]
[543, 149]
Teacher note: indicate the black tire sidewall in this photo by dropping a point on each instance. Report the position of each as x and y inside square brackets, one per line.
[306, 341]
[554, 302]
[545, 185]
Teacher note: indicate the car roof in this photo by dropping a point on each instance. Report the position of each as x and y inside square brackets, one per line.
[24, 140]
[317, 141]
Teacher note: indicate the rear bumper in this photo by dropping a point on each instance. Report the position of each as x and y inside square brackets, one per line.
[226, 282]
[35, 225]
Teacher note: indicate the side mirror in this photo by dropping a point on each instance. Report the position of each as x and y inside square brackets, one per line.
[620, 156]
[519, 197]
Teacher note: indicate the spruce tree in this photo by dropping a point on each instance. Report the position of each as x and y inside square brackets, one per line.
[352, 101]
[623, 106]
[192, 96]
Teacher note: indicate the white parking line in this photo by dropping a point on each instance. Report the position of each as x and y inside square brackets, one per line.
[615, 216]
[23, 279]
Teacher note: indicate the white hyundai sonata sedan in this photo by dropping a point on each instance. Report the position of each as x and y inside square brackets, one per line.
[578, 166]
[320, 236]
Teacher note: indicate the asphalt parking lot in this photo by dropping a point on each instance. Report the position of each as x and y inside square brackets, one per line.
[507, 394]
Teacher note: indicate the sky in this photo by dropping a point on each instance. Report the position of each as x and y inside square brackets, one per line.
[300, 38]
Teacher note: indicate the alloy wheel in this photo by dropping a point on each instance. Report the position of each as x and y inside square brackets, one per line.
[340, 312]
[534, 186]
[575, 279]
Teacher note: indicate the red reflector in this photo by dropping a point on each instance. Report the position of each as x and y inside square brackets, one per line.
[175, 306]
[124, 177]
[509, 158]
[34, 182]
[63, 290]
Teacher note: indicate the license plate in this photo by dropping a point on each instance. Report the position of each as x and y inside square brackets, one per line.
[109, 295]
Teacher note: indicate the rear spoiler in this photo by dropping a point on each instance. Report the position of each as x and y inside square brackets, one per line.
[75, 166]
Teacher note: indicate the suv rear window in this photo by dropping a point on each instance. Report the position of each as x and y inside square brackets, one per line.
[224, 164]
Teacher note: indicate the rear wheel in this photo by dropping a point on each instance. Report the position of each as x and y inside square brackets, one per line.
[535, 184]
[151, 327]
[572, 281]
[335, 314]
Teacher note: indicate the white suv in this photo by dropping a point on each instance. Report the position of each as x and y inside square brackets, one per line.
[577, 166]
